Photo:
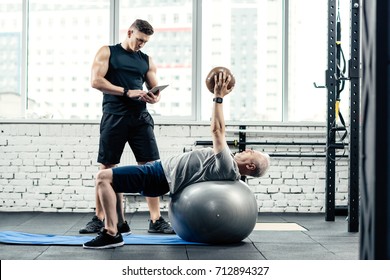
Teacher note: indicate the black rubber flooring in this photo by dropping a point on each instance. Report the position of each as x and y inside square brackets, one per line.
[322, 240]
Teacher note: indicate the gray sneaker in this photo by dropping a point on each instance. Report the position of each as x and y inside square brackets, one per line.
[160, 226]
[93, 226]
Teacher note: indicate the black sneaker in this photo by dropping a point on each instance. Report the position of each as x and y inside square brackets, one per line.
[104, 241]
[124, 229]
[93, 226]
[160, 226]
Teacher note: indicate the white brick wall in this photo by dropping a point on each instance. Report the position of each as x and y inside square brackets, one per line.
[51, 166]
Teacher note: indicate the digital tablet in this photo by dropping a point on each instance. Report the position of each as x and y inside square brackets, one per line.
[157, 88]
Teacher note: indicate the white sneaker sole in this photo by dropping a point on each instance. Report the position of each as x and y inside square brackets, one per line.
[105, 246]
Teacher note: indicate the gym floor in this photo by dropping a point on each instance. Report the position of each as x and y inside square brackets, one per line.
[278, 236]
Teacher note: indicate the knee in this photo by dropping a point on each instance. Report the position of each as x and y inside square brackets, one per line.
[103, 177]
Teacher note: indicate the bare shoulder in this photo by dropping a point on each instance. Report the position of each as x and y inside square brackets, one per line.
[152, 66]
[104, 51]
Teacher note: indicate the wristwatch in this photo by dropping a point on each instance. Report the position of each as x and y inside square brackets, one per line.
[218, 99]
[125, 90]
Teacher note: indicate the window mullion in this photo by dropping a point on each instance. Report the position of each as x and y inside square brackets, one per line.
[114, 22]
[285, 61]
[196, 59]
[24, 57]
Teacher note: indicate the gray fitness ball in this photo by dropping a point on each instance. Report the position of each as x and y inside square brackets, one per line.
[215, 212]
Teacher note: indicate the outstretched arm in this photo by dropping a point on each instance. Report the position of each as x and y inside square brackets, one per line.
[217, 120]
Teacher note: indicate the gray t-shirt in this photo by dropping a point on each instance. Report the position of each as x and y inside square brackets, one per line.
[198, 166]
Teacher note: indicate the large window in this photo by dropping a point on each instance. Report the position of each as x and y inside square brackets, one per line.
[246, 36]
[307, 51]
[275, 48]
[61, 37]
[10, 58]
[170, 48]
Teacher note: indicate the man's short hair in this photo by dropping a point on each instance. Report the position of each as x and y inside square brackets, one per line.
[143, 26]
[262, 166]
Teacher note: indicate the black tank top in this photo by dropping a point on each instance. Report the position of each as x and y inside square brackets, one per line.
[128, 70]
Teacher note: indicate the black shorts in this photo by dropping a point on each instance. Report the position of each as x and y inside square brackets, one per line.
[135, 129]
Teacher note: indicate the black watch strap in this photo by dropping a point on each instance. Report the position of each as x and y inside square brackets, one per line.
[218, 99]
[125, 90]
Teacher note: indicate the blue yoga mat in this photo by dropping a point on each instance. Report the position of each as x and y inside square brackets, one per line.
[15, 237]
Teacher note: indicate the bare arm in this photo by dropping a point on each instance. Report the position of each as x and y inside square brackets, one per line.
[99, 71]
[151, 82]
[218, 120]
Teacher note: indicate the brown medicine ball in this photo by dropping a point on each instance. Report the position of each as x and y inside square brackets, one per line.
[216, 70]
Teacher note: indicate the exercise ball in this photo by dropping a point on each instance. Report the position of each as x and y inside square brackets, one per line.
[215, 71]
[214, 212]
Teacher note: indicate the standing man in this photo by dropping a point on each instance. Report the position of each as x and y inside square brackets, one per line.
[120, 71]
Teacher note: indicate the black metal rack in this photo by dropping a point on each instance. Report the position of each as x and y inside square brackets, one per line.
[331, 84]
[333, 80]
[354, 75]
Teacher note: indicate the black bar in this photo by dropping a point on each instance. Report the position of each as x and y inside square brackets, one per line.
[242, 144]
[306, 155]
[354, 72]
[242, 139]
[297, 155]
[332, 86]
[236, 143]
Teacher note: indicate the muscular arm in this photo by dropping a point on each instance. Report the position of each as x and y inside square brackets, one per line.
[151, 81]
[217, 119]
[99, 71]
